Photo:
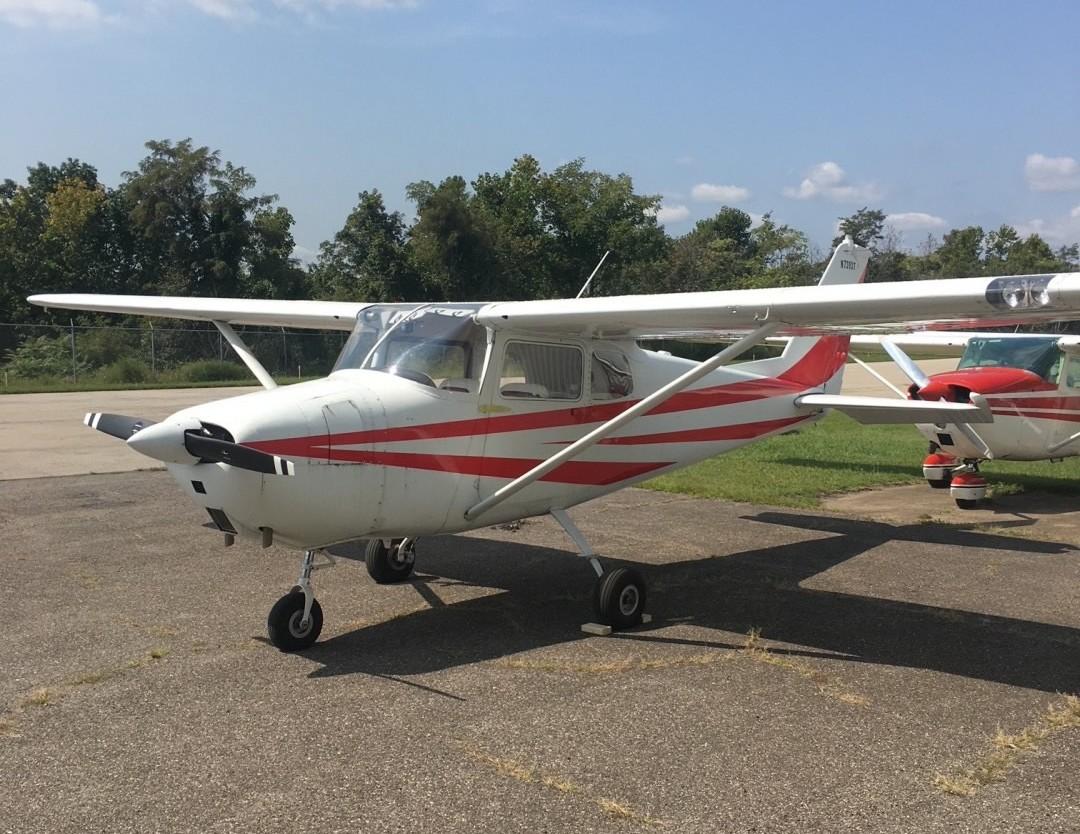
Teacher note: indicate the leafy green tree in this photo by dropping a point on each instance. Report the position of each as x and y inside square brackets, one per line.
[866, 227]
[367, 258]
[451, 244]
[960, 253]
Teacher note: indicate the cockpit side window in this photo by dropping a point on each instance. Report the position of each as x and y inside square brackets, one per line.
[1039, 355]
[611, 376]
[531, 370]
[1071, 376]
[439, 346]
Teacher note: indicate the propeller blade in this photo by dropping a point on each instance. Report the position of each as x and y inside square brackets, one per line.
[215, 450]
[116, 425]
[905, 363]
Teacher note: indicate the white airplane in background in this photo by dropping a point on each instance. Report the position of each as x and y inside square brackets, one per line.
[440, 418]
[1030, 381]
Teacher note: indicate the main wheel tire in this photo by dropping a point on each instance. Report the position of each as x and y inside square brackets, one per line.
[619, 598]
[283, 623]
[943, 483]
[388, 565]
[967, 504]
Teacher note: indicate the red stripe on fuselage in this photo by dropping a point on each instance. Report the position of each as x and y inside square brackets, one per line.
[1064, 403]
[743, 431]
[1070, 417]
[586, 473]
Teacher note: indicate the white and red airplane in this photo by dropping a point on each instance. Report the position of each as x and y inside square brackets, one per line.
[440, 418]
[1031, 383]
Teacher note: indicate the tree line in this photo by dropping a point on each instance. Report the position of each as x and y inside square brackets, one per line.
[185, 222]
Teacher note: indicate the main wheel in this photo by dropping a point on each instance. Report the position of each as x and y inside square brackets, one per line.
[619, 598]
[283, 623]
[389, 565]
[967, 504]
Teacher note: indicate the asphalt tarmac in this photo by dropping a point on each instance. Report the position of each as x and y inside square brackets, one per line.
[803, 673]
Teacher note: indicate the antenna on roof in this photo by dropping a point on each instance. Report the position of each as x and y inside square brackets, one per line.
[581, 292]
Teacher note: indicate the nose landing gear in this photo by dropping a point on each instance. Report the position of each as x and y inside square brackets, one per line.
[295, 621]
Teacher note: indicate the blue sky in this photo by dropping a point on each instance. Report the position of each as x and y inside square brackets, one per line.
[942, 114]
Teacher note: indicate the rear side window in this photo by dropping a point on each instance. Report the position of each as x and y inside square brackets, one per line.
[611, 376]
[541, 371]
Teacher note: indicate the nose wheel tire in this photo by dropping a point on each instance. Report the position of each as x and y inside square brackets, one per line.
[285, 625]
[387, 565]
[619, 598]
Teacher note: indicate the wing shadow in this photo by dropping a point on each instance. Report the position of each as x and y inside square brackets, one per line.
[545, 594]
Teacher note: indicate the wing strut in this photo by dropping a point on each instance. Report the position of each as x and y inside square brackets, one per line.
[654, 399]
[242, 350]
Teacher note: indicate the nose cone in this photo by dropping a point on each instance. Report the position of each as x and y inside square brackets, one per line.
[164, 441]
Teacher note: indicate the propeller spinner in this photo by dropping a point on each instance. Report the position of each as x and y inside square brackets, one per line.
[186, 442]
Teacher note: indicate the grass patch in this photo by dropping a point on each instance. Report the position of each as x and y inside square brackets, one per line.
[43, 696]
[826, 684]
[611, 667]
[534, 776]
[1008, 749]
[97, 383]
[839, 455]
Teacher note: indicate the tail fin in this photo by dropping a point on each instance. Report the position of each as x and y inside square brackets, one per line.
[818, 361]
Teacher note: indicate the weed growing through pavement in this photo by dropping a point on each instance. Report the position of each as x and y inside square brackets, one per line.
[1009, 749]
[535, 776]
[826, 684]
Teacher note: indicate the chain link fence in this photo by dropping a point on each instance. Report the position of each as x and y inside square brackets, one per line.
[79, 354]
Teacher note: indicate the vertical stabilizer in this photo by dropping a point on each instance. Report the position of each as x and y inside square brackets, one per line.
[818, 361]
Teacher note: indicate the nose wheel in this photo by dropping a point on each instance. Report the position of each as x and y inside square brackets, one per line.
[287, 626]
[296, 620]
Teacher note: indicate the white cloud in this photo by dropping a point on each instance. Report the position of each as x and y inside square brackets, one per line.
[250, 9]
[226, 9]
[1061, 231]
[669, 214]
[914, 221]
[755, 219]
[708, 193]
[54, 13]
[1052, 173]
[828, 179]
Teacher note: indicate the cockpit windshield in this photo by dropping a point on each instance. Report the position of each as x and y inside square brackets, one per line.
[1037, 354]
[434, 344]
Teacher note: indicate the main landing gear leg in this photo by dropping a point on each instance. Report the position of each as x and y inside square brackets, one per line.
[296, 619]
[619, 594]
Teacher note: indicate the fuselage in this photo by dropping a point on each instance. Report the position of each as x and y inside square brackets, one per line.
[381, 455]
[1036, 408]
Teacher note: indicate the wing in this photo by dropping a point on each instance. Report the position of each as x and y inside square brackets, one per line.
[958, 339]
[888, 410]
[852, 308]
[314, 315]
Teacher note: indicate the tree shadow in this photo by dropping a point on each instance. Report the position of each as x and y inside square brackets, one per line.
[546, 594]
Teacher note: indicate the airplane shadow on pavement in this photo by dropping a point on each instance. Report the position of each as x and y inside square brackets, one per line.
[547, 594]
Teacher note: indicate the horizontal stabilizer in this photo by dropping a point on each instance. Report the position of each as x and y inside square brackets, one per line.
[888, 410]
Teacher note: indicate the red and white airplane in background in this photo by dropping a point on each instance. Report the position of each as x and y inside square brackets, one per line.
[440, 418]
[1030, 381]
